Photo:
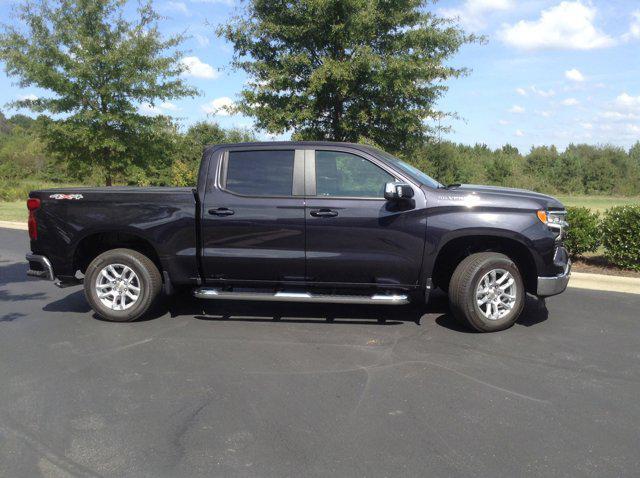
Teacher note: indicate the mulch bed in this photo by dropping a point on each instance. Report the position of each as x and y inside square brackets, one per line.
[600, 265]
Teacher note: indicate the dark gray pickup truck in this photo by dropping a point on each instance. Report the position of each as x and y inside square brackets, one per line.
[304, 222]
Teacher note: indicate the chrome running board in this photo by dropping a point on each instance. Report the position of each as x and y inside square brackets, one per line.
[381, 299]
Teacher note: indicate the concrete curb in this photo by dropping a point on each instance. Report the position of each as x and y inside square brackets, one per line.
[14, 225]
[583, 280]
[579, 280]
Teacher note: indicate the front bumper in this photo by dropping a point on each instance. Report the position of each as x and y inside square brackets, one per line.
[548, 286]
[40, 266]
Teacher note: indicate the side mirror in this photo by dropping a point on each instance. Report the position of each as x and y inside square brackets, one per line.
[395, 191]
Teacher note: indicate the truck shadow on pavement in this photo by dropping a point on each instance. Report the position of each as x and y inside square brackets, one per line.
[182, 304]
[535, 311]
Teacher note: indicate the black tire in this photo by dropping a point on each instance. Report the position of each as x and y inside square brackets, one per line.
[149, 279]
[463, 287]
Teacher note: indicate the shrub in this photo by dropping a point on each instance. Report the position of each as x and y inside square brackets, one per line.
[621, 236]
[583, 234]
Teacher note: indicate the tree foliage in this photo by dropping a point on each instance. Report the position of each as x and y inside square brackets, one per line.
[345, 70]
[580, 169]
[99, 67]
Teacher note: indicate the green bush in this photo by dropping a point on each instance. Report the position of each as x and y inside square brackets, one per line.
[621, 236]
[583, 234]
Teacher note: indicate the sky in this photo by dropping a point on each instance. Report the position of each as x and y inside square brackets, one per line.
[550, 72]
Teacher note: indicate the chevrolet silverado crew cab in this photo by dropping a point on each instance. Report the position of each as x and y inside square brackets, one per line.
[303, 222]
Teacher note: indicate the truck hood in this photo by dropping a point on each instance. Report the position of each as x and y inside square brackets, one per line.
[493, 196]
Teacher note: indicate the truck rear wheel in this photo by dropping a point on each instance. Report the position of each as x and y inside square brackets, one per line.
[121, 284]
[487, 292]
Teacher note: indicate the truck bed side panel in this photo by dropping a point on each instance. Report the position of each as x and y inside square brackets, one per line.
[164, 217]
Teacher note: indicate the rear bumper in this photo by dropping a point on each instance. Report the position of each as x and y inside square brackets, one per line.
[40, 266]
[548, 286]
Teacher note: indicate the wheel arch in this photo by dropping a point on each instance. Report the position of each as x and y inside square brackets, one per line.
[453, 251]
[94, 244]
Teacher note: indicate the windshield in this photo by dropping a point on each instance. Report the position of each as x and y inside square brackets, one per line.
[412, 171]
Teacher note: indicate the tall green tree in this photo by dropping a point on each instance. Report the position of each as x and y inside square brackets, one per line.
[345, 70]
[99, 66]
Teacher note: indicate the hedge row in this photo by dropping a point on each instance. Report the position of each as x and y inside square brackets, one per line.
[618, 231]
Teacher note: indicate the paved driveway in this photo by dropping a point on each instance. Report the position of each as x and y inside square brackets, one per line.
[247, 389]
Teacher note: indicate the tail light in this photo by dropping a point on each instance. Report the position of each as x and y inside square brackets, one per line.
[33, 204]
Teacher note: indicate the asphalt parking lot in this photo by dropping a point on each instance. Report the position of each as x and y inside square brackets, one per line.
[248, 389]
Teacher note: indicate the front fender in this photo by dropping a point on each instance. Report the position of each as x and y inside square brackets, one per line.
[520, 226]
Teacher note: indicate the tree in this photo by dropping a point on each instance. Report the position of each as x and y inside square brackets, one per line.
[634, 152]
[184, 170]
[99, 67]
[345, 70]
[5, 127]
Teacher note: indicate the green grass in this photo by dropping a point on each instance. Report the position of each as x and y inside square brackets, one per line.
[599, 203]
[14, 190]
[13, 211]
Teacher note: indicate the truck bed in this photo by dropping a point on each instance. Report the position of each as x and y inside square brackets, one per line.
[70, 219]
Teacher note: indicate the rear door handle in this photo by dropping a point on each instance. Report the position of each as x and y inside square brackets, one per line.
[221, 211]
[324, 213]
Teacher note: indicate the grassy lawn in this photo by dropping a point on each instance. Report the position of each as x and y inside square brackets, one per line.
[598, 203]
[13, 211]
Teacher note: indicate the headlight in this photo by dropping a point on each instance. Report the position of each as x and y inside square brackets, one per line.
[555, 220]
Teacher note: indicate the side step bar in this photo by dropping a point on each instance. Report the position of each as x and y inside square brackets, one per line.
[381, 299]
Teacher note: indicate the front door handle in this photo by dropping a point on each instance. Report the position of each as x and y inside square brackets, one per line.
[324, 213]
[221, 211]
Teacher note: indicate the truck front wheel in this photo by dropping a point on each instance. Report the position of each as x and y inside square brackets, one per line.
[487, 292]
[121, 284]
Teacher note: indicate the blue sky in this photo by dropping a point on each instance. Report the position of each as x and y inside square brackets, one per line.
[551, 72]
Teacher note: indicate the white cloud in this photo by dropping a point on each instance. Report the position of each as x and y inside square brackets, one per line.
[179, 7]
[516, 109]
[545, 94]
[159, 109]
[634, 28]
[219, 106]
[197, 68]
[202, 40]
[574, 75]
[586, 125]
[519, 133]
[618, 116]
[570, 102]
[545, 114]
[472, 13]
[229, 3]
[568, 26]
[633, 128]
[521, 91]
[626, 102]
[27, 97]
[503, 122]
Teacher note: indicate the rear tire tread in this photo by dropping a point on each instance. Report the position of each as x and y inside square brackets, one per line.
[147, 271]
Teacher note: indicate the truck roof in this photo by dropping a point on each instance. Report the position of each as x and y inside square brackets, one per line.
[292, 144]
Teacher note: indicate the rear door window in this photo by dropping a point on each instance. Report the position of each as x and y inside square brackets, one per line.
[260, 173]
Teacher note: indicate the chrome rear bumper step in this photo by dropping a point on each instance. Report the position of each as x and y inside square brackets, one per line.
[380, 299]
[43, 270]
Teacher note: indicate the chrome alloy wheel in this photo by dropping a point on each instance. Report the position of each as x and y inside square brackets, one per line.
[496, 294]
[117, 287]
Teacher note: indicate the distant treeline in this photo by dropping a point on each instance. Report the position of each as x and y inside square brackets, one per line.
[580, 169]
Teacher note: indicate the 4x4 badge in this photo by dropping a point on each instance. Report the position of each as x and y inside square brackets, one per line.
[66, 196]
